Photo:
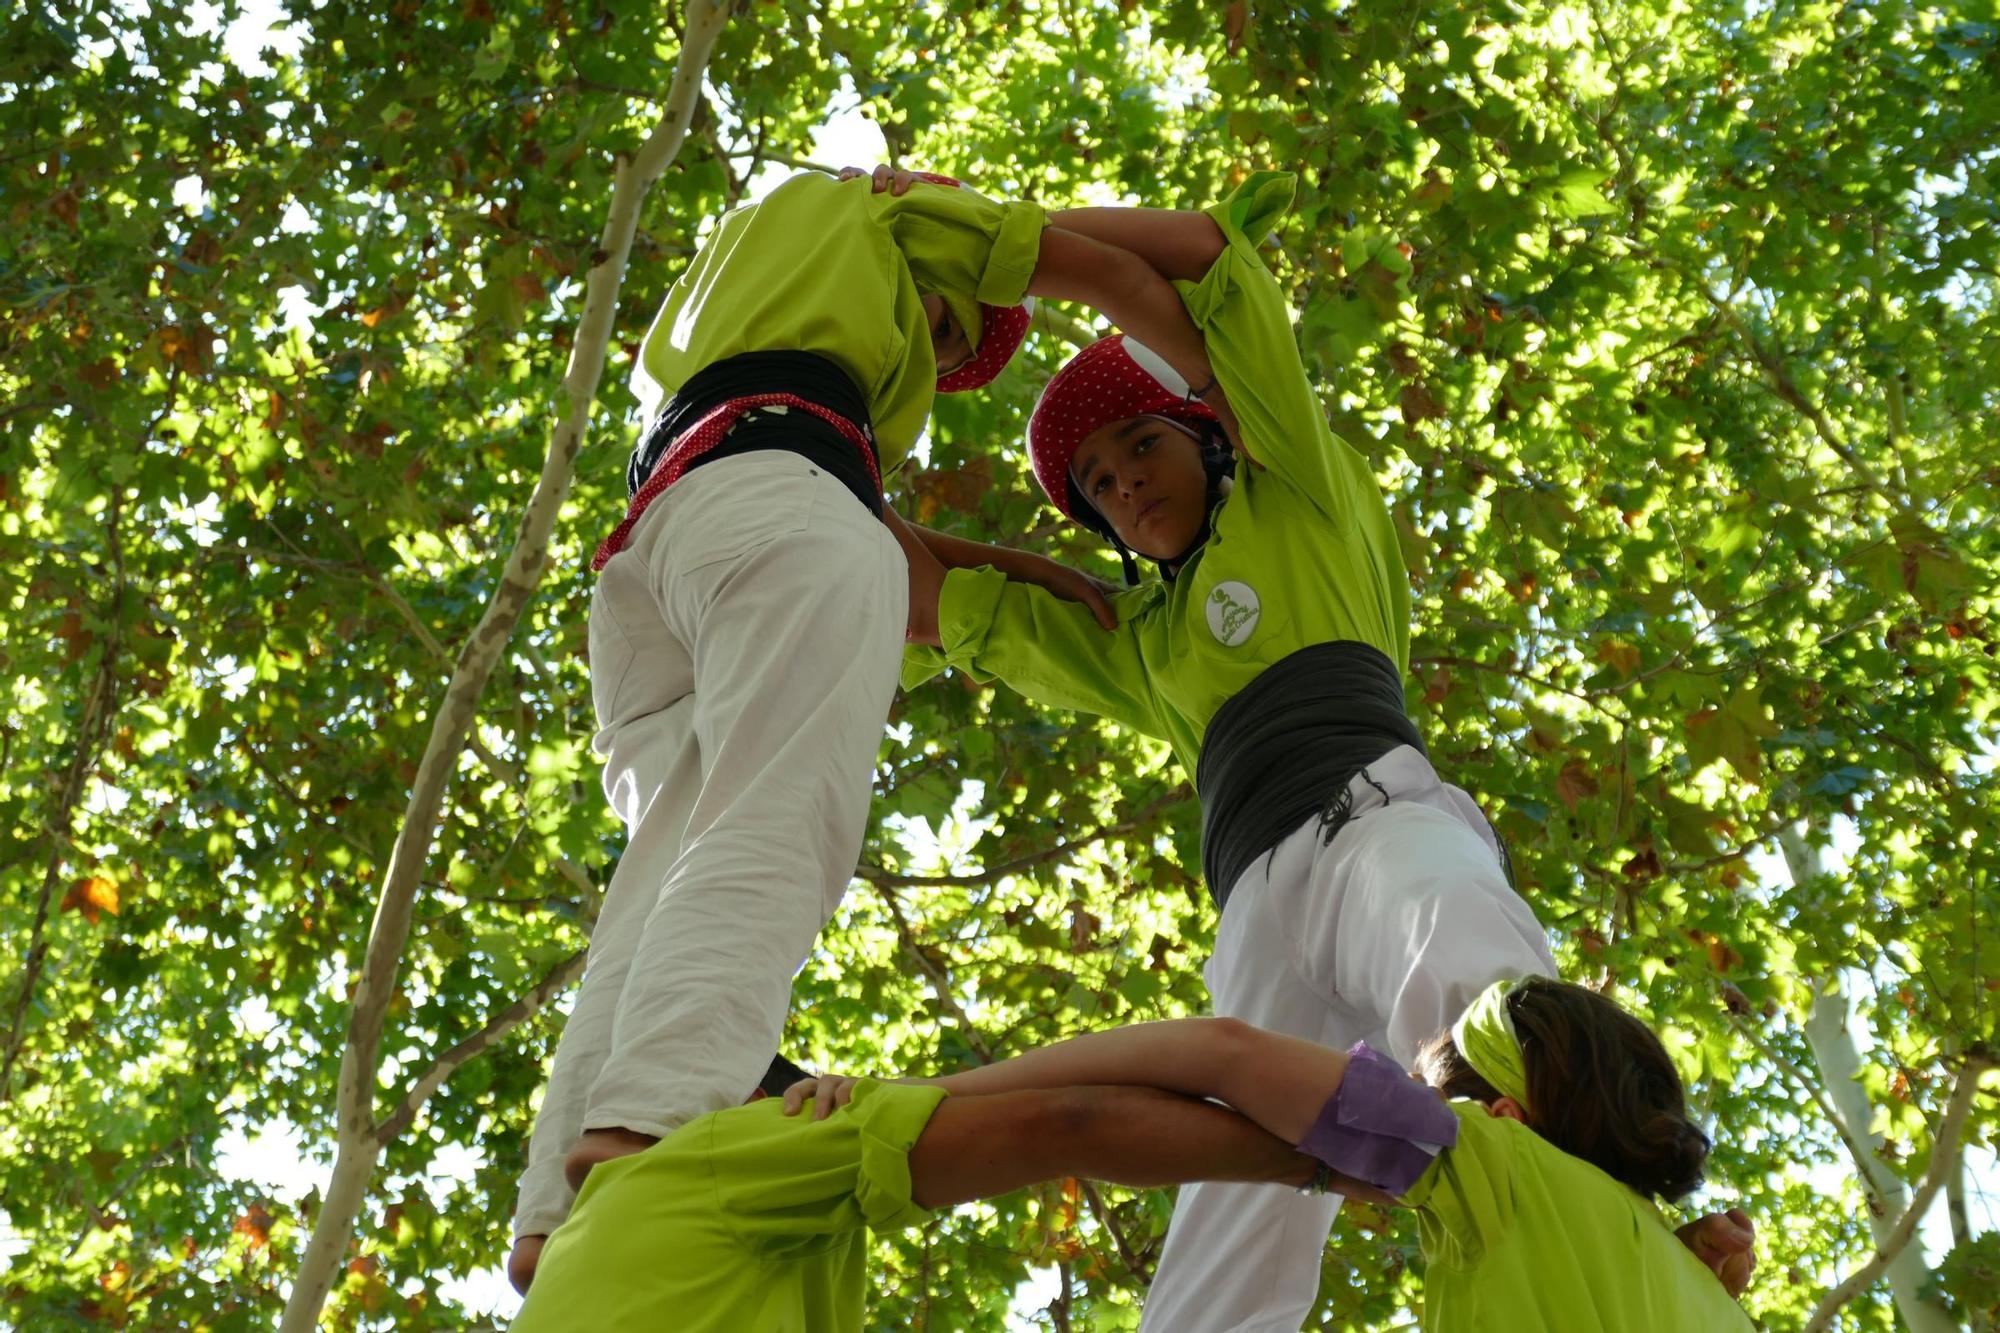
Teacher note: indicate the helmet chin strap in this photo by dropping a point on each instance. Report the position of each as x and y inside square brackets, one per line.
[1218, 461]
[1125, 559]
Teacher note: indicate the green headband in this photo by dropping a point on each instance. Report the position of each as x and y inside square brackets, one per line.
[1486, 1038]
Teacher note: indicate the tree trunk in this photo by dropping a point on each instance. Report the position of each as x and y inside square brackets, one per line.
[1838, 1058]
[359, 1136]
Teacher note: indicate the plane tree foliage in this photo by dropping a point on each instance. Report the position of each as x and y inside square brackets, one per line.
[1668, 326]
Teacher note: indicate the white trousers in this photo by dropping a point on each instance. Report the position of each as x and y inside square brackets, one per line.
[1384, 936]
[743, 654]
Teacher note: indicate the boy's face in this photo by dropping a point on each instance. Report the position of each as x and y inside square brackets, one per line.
[948, 339]
[1144, 474]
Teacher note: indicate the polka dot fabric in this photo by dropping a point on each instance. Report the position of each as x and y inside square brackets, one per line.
[1101, 384]
[1002, 329]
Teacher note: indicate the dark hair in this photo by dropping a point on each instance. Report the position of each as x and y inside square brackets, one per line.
[1600, 1086]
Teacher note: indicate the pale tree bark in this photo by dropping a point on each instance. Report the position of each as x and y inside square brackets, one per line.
[1954, 1206]
[358, 1134]
[1838, 1057]
[1894, 1243]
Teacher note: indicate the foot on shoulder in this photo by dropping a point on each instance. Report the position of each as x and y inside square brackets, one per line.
[521, 1263]
[602, 1145]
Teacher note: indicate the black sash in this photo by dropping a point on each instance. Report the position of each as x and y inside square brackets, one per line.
[811, 377]
[1286, 747]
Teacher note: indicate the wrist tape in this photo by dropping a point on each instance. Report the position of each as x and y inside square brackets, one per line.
[1381, 1127]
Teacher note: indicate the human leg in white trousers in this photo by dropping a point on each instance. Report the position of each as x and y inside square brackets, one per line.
[762, 593]
[651, 776]
[1385, 935]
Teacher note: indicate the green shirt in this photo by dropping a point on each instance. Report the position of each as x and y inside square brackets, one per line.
[746, 1219]
[1302, 551]
[826, 266]
[1521, 1237]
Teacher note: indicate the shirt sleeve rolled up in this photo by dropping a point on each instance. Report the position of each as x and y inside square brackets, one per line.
[1049, 649]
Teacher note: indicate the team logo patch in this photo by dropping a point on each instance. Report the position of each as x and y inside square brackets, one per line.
[1233, 609]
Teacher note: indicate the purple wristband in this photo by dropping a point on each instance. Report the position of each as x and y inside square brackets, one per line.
[1382, 1127]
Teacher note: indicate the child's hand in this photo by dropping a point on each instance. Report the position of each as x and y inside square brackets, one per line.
[828, 1093]
[1727, 1243]
[1072, 585]
[885, 178]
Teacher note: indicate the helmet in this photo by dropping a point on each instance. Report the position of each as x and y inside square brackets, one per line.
[1001, 332]
[1001, 328]
[1113, 379]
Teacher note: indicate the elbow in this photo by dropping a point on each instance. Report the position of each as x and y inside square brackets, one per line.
[1122, 279]
[1231, 1048]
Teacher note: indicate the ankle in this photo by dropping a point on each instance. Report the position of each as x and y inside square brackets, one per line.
[602, 1145]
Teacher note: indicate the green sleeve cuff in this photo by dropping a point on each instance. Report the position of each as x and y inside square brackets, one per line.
[920, 663]
[1017, 248]
[1253, 209]
[889, 1117]
[967, 605]
[1246, 216]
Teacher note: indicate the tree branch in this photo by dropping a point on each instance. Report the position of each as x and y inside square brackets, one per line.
[1944, 1161]
[1134, 1263]
[508, 774]
[1071, 330]
[359, 1144]
[1817, 1092]
[93, 727]
[934, 970]
[1788, 391]
[1954, 1206]
[876, 875]
[496, 1027]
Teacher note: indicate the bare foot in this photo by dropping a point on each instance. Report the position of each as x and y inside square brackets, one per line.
[521, 1263]
[602, 1145]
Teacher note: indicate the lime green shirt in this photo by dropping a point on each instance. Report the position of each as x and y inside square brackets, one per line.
[1521, 1237]
[826, 266]
[1302, 551]
[746, 1219]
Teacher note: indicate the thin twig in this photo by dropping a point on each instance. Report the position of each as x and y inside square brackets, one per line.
[934, 970]
[496, 1027]
[891, 880]
[1100, 1210]
[1817, 1092]
[93, 727]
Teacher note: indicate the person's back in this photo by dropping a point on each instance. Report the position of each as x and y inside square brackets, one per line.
[823, 266]
[1520, 1237]
[740, 1220]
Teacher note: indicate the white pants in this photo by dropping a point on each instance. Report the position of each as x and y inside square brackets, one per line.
[1384, 936]
[743, 653]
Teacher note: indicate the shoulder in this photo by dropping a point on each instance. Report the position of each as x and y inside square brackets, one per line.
[1268, 494]
[1136, 605]
[803, 198]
